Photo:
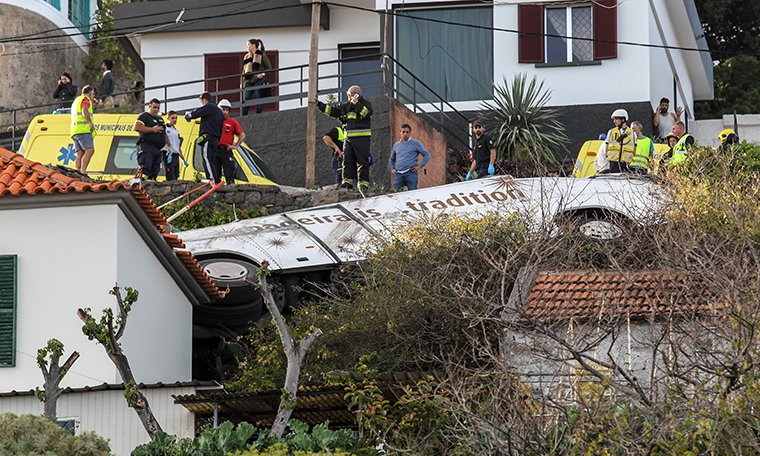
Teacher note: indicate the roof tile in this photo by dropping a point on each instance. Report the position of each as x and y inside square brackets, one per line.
[19, 176]
[596, 294]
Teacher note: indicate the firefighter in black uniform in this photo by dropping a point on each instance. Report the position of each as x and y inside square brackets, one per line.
[356, 156]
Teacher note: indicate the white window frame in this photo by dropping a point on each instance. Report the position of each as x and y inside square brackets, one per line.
[568, 32]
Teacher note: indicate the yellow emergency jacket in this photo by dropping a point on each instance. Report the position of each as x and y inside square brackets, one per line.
[680, 151]
[79, 122]
[617, 142]
[641, 159]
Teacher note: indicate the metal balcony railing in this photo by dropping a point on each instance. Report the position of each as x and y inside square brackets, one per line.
[408, 89]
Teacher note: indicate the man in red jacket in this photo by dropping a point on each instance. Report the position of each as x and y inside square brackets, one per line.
[224, 159]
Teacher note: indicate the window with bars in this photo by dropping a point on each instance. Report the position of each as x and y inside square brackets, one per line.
[568, 22]
[562, 34]
[8, 272]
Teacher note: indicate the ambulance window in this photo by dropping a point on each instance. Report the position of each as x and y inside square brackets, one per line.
[125, 152]
[122, 158]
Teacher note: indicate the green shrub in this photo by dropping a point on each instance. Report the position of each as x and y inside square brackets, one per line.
[35, 435]
[201, 215]
[227, 439]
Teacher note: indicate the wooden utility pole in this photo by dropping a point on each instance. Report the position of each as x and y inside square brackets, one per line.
[311, 110]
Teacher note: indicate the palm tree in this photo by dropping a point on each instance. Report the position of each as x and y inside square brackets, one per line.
[527, 131]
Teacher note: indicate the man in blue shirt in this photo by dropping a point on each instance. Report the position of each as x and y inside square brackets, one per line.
[403, 161]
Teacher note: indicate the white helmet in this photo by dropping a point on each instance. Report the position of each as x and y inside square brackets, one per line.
[224, 103]
[620, 113]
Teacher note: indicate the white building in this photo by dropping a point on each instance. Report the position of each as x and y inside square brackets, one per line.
[63, 245]
[627, 54]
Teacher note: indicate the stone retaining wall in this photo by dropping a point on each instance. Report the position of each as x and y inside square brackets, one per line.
[267, 198]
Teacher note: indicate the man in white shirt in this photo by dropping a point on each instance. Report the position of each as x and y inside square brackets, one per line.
[663, 120]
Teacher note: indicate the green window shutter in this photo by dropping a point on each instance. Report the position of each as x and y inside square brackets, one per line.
[8, 270]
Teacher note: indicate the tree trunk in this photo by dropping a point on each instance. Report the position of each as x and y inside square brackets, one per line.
[135, 398]
[295, 354]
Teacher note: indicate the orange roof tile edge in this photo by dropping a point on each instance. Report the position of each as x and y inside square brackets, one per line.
[638, 293]
[19, 176]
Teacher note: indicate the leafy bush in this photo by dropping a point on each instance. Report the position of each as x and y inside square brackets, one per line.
[227, 439]
[524, 129]
[35, 435]
[201, 215]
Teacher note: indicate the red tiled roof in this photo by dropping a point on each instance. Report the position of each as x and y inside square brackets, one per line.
[19, 176]
[596, 294]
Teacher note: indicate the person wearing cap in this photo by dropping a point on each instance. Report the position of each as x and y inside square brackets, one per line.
[644, 150]
[621, 143]
[727, 138]
[209, 133]
[150, 126]
[223, 158]
[356, 150]
[483, 153]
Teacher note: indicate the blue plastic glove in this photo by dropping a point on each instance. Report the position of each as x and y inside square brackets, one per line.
[185, 163]
[491, 170]
[187, 116]
[169, 158]
[469, 176]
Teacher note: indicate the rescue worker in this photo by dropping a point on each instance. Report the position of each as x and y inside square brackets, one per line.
[209, 133]
[644, 150]
[621, 143]
[150, 126]
[483, 153]
[356, 150]
[224, 160]
[671, 140]
[685, 141]
[82, 129]
[727, 137]
[334, 140]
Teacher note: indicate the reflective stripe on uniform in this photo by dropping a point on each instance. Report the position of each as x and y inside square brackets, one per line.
[679, 150]
[79, 123]
[356, 133]
[641, 159]
[616, 147]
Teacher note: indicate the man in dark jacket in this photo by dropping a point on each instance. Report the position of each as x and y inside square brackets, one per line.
[65, 92]
[212, 120]
[356, 153]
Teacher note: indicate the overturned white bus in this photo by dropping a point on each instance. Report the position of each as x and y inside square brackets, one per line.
[307, 244]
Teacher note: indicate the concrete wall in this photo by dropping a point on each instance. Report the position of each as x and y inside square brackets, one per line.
[280, 140]
[30, 69]
[106, 413]
[69, 258]
[434, 172]
[706, 131]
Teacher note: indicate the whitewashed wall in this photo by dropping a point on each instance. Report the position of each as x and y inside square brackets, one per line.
[70, 257]
[706, 131]
[175, 57]
[106, 413]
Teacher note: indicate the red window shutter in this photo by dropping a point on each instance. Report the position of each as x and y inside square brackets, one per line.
[530, 23]
[605, 29]
[229, 66]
